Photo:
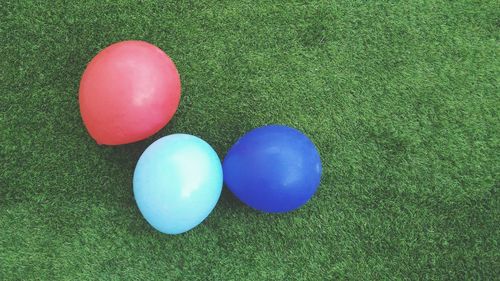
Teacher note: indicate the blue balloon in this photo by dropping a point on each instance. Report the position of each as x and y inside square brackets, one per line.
[273, 169]
[177, 182]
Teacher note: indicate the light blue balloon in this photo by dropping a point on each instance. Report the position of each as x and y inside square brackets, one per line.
[177, 182]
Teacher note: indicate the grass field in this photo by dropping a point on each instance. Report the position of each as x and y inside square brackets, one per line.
[401, 98]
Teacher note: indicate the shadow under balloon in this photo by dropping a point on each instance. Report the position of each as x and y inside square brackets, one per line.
[228, 201]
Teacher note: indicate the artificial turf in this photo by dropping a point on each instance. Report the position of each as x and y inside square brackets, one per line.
[400, 97]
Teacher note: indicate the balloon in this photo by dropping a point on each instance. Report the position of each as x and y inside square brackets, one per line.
[128, 92]
[177, 182]
[273, 169]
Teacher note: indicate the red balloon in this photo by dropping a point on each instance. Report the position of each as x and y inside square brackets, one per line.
[128, 92]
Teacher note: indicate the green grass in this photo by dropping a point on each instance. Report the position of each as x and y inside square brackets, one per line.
[401, 98]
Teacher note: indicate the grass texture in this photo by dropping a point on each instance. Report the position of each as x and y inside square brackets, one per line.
[400, 97]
